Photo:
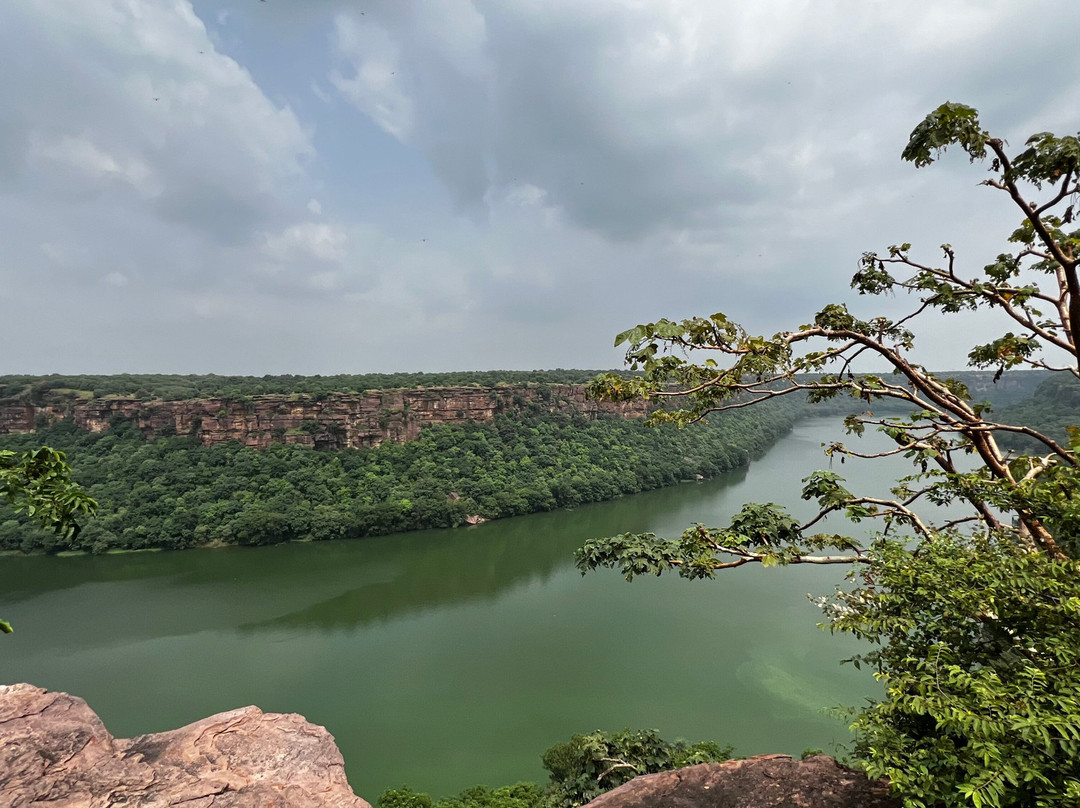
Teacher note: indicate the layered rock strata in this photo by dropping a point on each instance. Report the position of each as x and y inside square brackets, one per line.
[336, 421]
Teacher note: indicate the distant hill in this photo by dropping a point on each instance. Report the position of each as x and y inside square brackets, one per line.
[169, 387]
[1054, 405]
[1011, 388]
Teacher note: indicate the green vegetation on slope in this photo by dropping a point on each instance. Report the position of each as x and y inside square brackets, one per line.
[1053, 408]
[174, 492]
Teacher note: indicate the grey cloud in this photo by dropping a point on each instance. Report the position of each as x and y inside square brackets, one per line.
[223, 211]
[634, 119]
[210, 145]
[615, 162]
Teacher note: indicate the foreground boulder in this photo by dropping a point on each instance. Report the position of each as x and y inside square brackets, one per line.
[778, 781]
[55, 751]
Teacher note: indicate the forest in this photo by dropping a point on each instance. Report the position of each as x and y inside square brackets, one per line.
[172, 387]
[1052, 410]
[173, 492]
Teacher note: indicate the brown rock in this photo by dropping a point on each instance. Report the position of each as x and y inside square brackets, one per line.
[777, 781]
[335, 421]
[55, 751]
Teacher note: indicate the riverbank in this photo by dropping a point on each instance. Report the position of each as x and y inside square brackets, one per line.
[176, 493]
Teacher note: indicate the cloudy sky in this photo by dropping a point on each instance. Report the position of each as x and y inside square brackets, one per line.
[323, 186]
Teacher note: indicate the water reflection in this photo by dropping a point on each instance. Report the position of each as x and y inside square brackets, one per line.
[322, 586]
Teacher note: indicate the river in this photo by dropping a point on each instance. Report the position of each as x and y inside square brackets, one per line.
[449, 658]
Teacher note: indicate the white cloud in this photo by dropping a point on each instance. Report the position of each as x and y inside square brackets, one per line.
[320, 93]
[638, 117]
[375, 86]
[307, 240]
[80, 154]
[314, 207]
[148, 102]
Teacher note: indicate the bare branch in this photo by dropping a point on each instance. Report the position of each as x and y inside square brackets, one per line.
[1063, 192]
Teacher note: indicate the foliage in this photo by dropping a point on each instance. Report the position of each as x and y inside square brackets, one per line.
[519, 795]
[1051, 410]
[58, 388]
[980, 654]
[581, 769]
[404, 797]
[588, 765]
[38, 481]
[175, 493]
[977, 629]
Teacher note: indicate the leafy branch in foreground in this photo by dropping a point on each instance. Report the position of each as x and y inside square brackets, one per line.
[39, 482]
[977, 629]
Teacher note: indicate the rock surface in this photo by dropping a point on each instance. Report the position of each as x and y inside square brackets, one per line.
[335, 421]
[55, 751]
[777, 781]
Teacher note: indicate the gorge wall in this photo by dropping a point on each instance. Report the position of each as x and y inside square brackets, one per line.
[334, 421]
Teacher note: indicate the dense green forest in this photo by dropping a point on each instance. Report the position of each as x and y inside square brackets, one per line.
[1053, 408]
[173, 492]
[175, 387]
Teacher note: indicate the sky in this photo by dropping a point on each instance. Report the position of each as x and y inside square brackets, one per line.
[322, 186]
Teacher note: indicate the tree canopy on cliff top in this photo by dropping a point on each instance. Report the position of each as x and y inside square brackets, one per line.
[975, 620]
[180, 387]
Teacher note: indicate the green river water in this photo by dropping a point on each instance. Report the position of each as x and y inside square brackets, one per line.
[449, 658]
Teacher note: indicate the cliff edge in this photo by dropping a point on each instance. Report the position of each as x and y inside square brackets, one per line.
[54, 750]
[333, 421]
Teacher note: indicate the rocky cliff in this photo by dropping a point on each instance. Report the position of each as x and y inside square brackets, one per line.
[335, 421]
[55, 751]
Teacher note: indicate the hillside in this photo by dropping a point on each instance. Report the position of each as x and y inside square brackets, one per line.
[240, 470]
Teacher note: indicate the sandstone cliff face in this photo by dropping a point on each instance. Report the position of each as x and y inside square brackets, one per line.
[55, 751]
[332, 422]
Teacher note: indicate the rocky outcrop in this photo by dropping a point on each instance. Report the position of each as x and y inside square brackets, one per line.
[757, 782]
[55, 751]
[335, 421]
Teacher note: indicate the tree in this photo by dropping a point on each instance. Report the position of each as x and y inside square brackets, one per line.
[976, 624]
[39, 482]
[586, 766]
[580, 770]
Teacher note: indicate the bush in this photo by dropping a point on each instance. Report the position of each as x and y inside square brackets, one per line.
[581, 769]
